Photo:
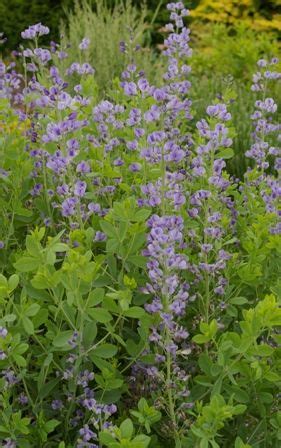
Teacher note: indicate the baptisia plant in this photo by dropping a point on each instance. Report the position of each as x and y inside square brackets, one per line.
[143, 314]
[262, 151]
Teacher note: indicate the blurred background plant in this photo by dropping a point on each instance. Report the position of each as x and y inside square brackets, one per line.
[255, 14]
[230, 50]
[106, 27]
[17, 15]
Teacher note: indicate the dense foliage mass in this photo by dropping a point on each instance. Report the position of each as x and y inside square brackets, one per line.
[140, 281]
[255, 14]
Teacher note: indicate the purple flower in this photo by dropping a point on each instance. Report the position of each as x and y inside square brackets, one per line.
[73, 340]
[80, 188]
[34, 31]
[94, 207]
[262, 63]
[3, 332]
[160, 94]
[43, 55]
[83, 167]
[84, 44]
[67, 374]
[130, 88]
[100, 236]
[143, 85]
[219, 111]
[135, 167]
[9, 443]
[36, 190]
[23, 399]
[87, 434]
[69, 206]
[84, 378]
[84, 69]
[110, 409]
[10, 377]
[118, 162]
[57, 405]
[2, 355]
[122, 46]
[63, 189]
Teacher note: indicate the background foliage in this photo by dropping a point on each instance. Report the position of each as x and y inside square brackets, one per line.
[16, 15]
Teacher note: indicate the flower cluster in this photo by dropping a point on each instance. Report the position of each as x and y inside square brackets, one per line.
[10, 83]
[261, 149]
[35, 31]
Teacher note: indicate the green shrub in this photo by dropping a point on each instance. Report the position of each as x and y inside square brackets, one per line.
[230, 50]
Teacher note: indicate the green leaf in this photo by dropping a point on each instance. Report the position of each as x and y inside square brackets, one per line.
[47, 388]
[134, 349]
[27, 264]
[138, 242]
[108, 229]
[89, 334]
[205, 363]
[240, 444]
[239, 409]
[265, 397]
[112, 245]
[142, 215]
[114, 384]
[33, 246]
[238, 300]
[135, 312]
[51, 425]
[9, 318]
[13, 282]
[137, 260]
[200, 338]
[62, 338]
[20, 360]
[122, 231]
[241, 395]
[106, 438]
[28, 325]
[213, 328]
[32, 310]
[100, 315]
[217, 387]
[100, 363]
[21, 348]
[105, 351]
[263, 350]
[204, 443]
[141, 441]
[272, 377]
[226, 153]
[127, 429]
[95, 297]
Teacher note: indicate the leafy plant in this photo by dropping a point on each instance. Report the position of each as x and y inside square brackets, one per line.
[140, 281]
